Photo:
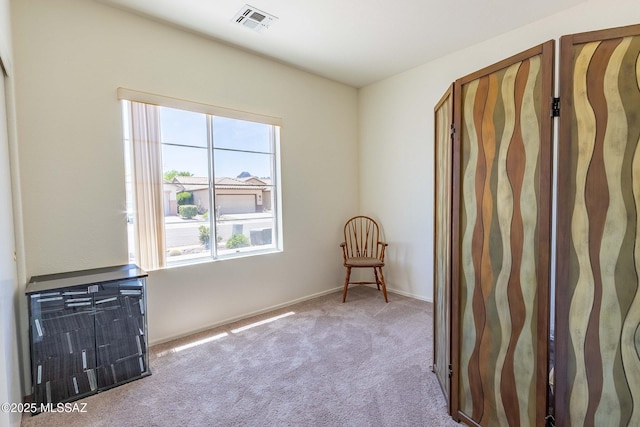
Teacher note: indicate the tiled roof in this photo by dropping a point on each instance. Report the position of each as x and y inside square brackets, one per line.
[194, 183]
[187, 180]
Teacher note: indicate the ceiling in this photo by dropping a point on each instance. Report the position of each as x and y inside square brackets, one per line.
[356, 42]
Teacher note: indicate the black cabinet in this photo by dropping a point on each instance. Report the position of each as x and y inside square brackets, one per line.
[88, 331]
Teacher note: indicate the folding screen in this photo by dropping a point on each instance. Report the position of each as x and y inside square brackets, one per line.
[501, 241]
[598, 258]
[443, 120]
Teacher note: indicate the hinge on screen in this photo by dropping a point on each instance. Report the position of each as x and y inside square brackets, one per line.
[452, 130]
[450, 370]
[555, 107]
[550, 421]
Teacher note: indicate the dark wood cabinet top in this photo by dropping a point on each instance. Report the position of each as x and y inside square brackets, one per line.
[84, 277]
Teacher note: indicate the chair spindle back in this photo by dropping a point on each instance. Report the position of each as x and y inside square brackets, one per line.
[361, 235]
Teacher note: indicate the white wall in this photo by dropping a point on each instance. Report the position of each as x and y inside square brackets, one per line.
[396, 135]
[70, 56]
[10, 387]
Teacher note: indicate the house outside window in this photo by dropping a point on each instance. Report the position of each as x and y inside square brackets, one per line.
[216, 185]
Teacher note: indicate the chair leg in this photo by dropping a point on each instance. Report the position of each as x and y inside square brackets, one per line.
[375, 272]
[346, 284]
[384, 287]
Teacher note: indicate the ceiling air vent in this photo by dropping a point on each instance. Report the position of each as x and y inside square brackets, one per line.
[253, 18]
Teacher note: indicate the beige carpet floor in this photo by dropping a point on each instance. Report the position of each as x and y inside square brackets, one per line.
[323, 363]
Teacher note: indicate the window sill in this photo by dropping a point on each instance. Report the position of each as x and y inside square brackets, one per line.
[239, 253]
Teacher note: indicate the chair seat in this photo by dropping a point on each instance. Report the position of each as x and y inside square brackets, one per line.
[364, 262]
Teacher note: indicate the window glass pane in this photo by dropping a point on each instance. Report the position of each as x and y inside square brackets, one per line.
[242, 233]
[245, 219]
[187, 161]
[240, 167]
[241, 135]
[186, 203]
[183, 127]
[242, 217]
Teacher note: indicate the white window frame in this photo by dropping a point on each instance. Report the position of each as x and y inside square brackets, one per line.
[211, 110]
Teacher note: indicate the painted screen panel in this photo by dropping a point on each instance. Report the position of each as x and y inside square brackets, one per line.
[503, 239]
[598, 344]
[443, 119]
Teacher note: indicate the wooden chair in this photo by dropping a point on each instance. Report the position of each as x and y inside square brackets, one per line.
[362, 248]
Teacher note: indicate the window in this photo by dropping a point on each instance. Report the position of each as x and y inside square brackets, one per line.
[200, 185]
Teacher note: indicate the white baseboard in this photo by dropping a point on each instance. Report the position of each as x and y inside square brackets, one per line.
[404, 293]
[276, 307]
[244, 316]
[410, 295]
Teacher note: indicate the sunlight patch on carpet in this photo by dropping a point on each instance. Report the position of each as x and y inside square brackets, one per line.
[262, 322]
[195, 343]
